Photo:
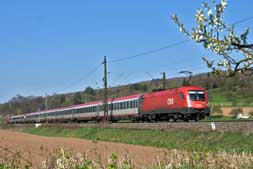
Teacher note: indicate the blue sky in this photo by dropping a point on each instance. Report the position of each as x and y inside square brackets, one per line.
[45, 46]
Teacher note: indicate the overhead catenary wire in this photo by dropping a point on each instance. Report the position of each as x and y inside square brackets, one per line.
[88, 74]
[242, 20]
[143, 53]
[149, 52]
[170, 45]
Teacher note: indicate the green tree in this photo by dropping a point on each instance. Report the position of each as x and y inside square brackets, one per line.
[220, 38]
[77, 99]
[62, 99]
[89, 91]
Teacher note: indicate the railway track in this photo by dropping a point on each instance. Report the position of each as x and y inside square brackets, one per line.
[203, 126]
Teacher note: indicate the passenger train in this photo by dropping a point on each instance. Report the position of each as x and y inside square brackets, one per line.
[184, 103]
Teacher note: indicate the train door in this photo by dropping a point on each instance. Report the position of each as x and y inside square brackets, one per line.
[140, 104]
[97, 112]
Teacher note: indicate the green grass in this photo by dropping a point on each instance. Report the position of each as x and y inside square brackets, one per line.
[225, 118]
[229, 98]
[181, 140]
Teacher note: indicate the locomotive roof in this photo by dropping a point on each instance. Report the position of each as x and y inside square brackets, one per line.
[180, 89]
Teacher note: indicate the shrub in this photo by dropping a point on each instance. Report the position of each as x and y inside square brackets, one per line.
[216, 109]
[236, 111]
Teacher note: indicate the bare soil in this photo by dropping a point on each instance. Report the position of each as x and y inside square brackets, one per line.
[226, 111]
[37, 148]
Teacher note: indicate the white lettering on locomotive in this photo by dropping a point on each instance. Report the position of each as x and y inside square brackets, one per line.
[170, 101]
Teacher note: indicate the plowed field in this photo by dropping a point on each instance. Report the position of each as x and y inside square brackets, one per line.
[38, 148]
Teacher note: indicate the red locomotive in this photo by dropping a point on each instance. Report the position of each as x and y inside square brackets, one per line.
[184, 103]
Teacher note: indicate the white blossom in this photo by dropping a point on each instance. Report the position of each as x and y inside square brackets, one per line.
[224, 3]
[209, 12]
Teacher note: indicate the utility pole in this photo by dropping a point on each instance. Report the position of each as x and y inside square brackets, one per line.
[46, 106]
[105, 91]
[164, 80]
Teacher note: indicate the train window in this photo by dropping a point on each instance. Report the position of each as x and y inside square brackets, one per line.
[136, 103]
[196, 95]
[127, 105]
[132, 104]
[110, 106]
[121, 105]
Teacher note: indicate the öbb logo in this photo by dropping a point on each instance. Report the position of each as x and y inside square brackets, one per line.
[170, 101]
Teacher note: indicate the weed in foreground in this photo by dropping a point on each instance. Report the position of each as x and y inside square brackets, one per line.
[11, 159]
[63, 158]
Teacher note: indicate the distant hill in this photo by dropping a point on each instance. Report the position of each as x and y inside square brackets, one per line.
[236, 91]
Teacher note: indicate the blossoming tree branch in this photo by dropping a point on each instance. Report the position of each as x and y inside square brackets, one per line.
[217, 36]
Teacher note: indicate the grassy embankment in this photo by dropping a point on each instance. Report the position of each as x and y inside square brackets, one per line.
[232, 98]
[181, 140]
[225, 119]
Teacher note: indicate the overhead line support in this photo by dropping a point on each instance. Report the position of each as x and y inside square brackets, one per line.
[105, 119]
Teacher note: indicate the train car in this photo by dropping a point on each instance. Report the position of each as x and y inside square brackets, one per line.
[185, 103]
[16, 119]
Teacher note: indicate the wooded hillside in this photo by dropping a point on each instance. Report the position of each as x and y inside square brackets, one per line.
[233, 91]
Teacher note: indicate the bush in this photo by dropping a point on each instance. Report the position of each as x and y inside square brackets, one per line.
[236, 111]
[216, 109]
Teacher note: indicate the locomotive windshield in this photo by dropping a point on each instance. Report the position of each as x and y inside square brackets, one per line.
[196, 95]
